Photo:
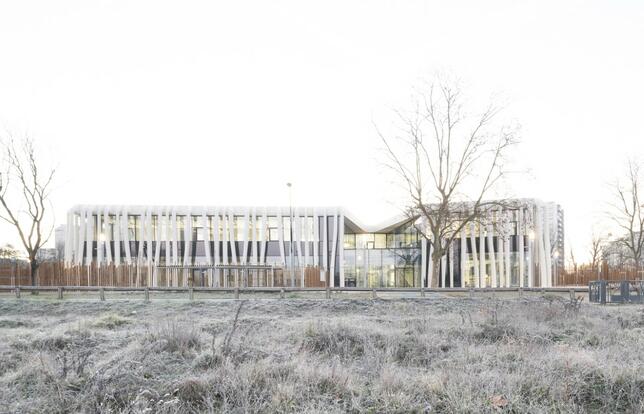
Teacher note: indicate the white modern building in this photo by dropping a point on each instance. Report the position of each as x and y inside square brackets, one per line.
[515, 246]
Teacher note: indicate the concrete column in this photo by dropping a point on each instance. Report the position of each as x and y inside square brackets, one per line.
[341, 248]
[475, 255]
[423, 261]
[117, 238]
[492, 251]
[334, 245]
[451, 264]
[316, 239]
[463, 255]
[325, 250]
[520, 235]
[482, 267]
[215, 236]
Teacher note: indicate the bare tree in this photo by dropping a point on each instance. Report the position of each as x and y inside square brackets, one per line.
[441, 154]
[596, 251]
[628, 212]
[573, 264]
[26, 207]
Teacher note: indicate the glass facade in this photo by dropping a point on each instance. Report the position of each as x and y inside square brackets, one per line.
[374, 260]
[389, 258]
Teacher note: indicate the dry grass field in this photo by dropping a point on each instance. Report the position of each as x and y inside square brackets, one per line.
[435, 354]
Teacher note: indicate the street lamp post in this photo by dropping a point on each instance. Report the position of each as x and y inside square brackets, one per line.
[290, 242]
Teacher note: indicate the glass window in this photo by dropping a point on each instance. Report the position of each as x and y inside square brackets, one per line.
[307, 228]
[273, 229]
[389, 268]
[375, 268]
[380, 241]
[180, 221]
[96, 232]
[223, 228]
[197, 230]
[364, 241]
[153, 227]
[210, 221]
[361, 272]
[350, 268]
[405, 277]
[239, 228]
[286, 223]
[349, 241]
[131, 228]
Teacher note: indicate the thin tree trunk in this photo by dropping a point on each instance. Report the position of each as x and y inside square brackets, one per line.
[33, 272]
[436, 271]
[33, 267]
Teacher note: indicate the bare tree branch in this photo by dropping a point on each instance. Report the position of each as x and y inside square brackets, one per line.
[627, 212]
[25, 208]
[464, 154]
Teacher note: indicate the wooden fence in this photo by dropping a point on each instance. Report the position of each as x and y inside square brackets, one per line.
[133, 275]
[57, 274]
[583, 275]
[236, 291]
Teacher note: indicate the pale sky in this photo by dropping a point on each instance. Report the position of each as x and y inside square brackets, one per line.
[222, 103]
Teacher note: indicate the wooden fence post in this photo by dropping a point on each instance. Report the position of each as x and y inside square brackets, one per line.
[101, 294]
[422, 292]
[373, 294]
[328, 292]
[282, 293]
[147, 294]
[520, 292]
[18, 292]
[191, 293]
[471, 293]
[60, 292]
[236, 292]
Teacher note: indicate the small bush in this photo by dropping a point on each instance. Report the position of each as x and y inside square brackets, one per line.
[334, 340]
[53, 343]
[11, 324]
[590, 390]
[192, 391]
[111, 322]
[207, 361]
[409, 349]
[495, 332]
[172, 337]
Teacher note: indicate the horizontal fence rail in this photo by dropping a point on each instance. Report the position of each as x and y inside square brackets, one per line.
[57, 273]
[281, 290]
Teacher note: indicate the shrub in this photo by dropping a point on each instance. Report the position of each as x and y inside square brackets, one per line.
[410, 349]
[334, 340]
[192, 391]
[489, 332]
[173, 337]
[11, 324]
[207, 360]
[111, 322]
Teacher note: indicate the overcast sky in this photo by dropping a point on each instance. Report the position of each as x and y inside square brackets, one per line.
[222, 103]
